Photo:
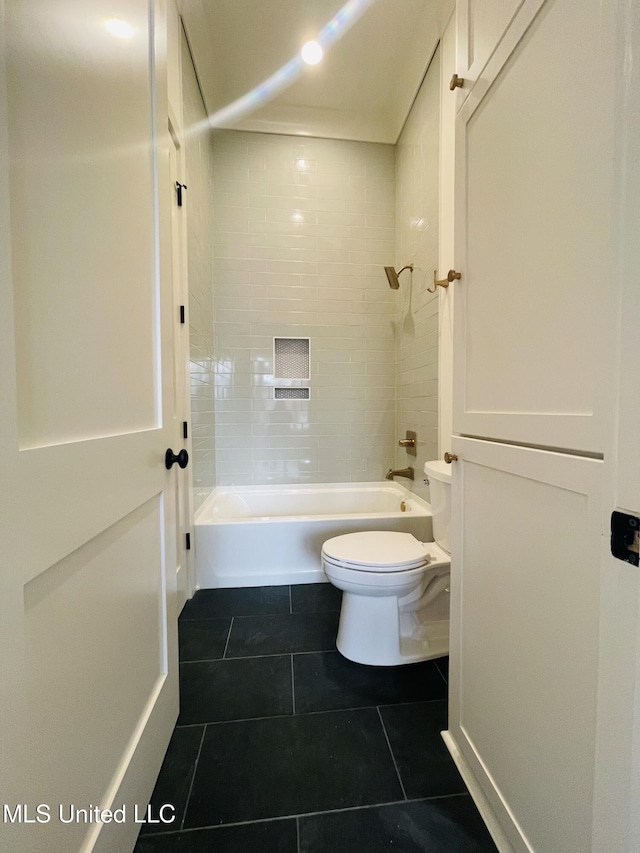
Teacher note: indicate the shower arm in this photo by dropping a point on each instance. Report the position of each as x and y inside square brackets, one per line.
[393, 276]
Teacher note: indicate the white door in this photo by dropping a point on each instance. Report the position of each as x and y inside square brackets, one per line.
[535, 374]
[183, 501]
[88, 653]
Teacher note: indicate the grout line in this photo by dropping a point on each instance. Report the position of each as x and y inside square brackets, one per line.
[193, 778]
[304, 713]
[290, 601]
[226, 645]
[306, 814]
[441, 674]
[311, 652]
[392, 755]
[280, 615]
[257, 657]
[278, 654]
[298, 834]
[255, 615]
[203, 619]
[245, 657]
[293, 688]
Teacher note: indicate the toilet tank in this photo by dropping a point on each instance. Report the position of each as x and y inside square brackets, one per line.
[439, 476]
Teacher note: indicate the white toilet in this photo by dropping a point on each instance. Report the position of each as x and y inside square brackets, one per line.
[395, 602]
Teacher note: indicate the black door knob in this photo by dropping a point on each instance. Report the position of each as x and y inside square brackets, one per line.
[170, 457]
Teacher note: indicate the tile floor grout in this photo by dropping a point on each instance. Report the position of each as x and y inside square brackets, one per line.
[284, 654]
[297, 817]
[293, 689]
[260, 615]
[309, 713]
[268, 615]
[255, 657]
[393, 758]
[441, 673]
[226, 645]
[193, 778]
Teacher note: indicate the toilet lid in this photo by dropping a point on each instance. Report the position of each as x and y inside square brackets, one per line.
[377, 549]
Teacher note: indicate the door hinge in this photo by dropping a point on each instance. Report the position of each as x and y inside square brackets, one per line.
[185, 429]
[179, 188]
[182, 314]
[188, 538]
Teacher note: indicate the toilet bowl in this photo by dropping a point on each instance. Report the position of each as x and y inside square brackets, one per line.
[395, 602]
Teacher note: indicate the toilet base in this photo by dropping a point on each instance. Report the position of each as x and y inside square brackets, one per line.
[378, 631]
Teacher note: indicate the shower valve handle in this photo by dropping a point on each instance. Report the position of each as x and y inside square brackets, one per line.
[181, 458]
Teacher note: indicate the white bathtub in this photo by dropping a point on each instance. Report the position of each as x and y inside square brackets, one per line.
[262, 535]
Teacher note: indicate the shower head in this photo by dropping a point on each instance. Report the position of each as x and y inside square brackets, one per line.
[392, 275]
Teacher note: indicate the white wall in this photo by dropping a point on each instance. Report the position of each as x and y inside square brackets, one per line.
[417, 242]
[302, 229]
[199, 204]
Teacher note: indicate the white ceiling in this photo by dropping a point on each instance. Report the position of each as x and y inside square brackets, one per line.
[362, 89]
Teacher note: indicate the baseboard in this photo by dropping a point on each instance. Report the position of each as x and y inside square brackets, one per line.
[477, 794]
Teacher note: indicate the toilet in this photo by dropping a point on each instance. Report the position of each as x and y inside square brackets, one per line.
[395, 601]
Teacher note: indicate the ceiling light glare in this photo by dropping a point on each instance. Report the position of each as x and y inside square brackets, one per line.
[121, 29]
[311, 53]
[287, 74]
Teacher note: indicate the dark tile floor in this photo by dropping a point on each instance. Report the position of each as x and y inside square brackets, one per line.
[284, 746]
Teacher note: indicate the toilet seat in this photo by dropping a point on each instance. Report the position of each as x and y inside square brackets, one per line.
[394, 596]
[376, 551]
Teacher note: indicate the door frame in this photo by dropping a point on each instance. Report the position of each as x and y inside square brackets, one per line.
[181, 355]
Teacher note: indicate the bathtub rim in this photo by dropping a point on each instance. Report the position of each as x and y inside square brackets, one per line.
[287, 489]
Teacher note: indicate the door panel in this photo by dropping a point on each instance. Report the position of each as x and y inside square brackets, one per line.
[89, 658]
[525, 636]
[533, 215]
[480, 24]
[117, 648]
[73, 261]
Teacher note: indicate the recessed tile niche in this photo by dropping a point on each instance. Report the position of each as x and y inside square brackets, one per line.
[291, 358]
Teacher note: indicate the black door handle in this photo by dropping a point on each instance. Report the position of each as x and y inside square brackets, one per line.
[170, 457]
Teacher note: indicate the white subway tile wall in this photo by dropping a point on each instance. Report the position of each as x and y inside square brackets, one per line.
[199, 211]
[417, 224]
[301, 230]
